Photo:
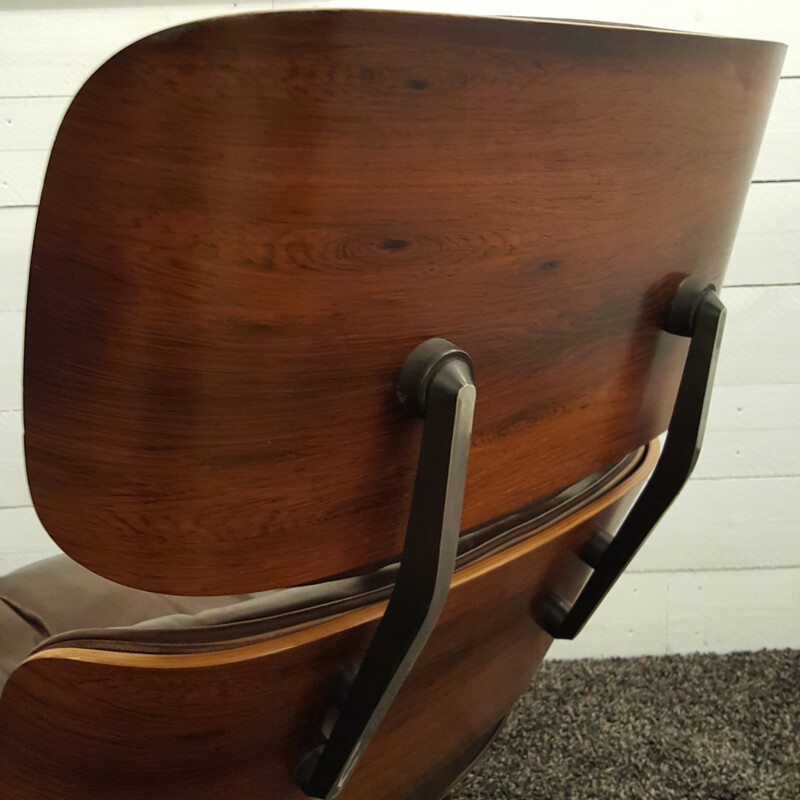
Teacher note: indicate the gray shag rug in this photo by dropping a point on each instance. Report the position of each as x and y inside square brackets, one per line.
[701, 727]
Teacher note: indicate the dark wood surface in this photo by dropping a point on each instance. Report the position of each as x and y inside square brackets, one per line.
[82, 724]
[248, 223]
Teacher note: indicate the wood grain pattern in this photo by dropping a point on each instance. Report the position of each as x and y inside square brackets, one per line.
[54, 53]
[32, 122]
[81, 724]
[247, 223]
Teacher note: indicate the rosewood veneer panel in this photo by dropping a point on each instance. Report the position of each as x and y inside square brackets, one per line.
[247, 223]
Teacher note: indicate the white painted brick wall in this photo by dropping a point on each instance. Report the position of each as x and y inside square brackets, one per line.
[722, 572]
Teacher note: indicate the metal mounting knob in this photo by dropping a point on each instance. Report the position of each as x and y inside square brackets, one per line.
[421, 367]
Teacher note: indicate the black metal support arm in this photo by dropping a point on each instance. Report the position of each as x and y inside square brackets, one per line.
[435, 383]
[696, 312]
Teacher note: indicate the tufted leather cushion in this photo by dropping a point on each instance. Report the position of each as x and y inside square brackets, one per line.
[58, 595]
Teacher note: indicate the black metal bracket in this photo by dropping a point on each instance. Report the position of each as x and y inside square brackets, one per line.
[697, 312]
[435, 382]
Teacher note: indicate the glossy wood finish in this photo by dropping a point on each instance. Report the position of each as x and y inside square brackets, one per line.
[81, 724]
[248, 223]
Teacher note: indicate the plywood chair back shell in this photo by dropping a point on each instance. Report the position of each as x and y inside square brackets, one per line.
[247, 223]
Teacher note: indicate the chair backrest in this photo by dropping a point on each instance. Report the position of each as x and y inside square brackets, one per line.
[247, 223]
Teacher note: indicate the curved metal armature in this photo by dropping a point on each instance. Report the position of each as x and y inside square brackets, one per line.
[696, 312]
[435, 383]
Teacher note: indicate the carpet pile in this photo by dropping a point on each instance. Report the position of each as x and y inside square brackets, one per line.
[700, 727]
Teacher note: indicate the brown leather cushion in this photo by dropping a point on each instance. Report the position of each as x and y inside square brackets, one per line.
[18, 636]
[58, 595]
